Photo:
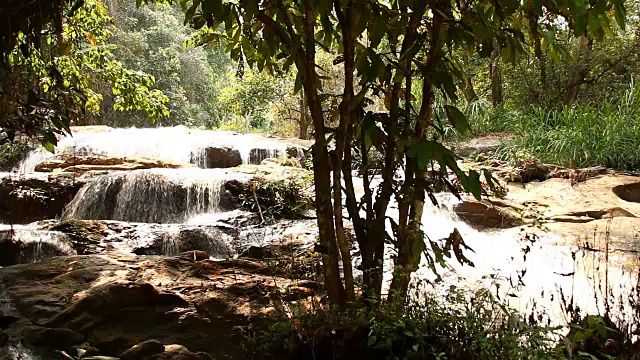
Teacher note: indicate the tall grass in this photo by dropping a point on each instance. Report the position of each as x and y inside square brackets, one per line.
[583, 136]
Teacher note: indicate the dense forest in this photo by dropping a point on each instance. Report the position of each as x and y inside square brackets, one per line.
[385, 90]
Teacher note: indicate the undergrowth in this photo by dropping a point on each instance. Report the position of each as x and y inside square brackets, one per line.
[582, 136]
[577, 136]
[460, 325]
[278, 199]
[11, 153]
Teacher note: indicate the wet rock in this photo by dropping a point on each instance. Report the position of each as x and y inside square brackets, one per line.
[116, 301]
[4, 338]
[85, 235]
[94, 163]
[487, 216]
[25, 199]
[52, 337]
[297, 152]
[143, 350]
[221, 157]
[256, 156]
[6, 321]
[24, 246]
[214, 240]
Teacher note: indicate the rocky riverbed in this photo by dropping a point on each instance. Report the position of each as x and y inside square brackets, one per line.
[109, 250]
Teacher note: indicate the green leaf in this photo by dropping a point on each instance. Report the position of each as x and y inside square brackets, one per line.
[251, 8]
[457, 119]
[376, 32]
[213, 7]
[620, 13]
[49, 146]
[371, 340]
[191, 11]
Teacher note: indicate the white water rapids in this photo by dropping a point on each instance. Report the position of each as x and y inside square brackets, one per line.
[177, 144]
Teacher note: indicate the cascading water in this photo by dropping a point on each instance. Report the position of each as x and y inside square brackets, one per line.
[173, 144]
[20, 245]
[150, 196]
[531, 268]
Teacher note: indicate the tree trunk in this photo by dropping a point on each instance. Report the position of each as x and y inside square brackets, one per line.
[410, 240]
[580, 70]
[321, 168]
[345, 18]
[468, 90]
[303, 122]
[495, 74]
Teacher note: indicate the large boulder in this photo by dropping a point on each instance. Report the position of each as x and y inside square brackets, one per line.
[221, 157]
[484, 215]
[24, 246]
[25, 199]
[256, 156]
[215, 241]
[114, 302]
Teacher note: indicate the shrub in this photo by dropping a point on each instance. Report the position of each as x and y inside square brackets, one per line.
[279, 199]
[462, 325]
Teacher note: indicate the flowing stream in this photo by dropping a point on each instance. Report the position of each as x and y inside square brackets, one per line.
[177, 144]
[533, 268]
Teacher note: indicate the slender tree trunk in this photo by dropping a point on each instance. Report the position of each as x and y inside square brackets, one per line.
[410, 240]
[345, 18]
[495, 73]
[580, 70]
[303, 122]
[321, 168]
[468, 90]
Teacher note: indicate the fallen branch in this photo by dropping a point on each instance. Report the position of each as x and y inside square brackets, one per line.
[255, 198]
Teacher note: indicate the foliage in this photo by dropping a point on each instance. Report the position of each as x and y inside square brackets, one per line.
[250, 97]
[278, 199]
[407, 43]
[459, 325]
[153, 39]
[11, 153]
[49, 86]
[582, 136]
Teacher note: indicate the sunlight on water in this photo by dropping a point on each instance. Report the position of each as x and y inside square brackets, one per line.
[173, 144]
[154, 196]
[532, 267]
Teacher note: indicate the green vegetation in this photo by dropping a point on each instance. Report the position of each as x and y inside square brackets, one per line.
[459, 325]
[379, 84]
[278, 199]
[11, 153]
[584, 136]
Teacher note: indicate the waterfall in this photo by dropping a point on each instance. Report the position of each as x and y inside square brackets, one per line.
[22, 245]
[172, 144]
[150, 196]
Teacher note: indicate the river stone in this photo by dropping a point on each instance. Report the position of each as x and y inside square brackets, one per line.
[221, 157]
[486, 216]
[143, 350]
[54, 337]
[179, 352]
